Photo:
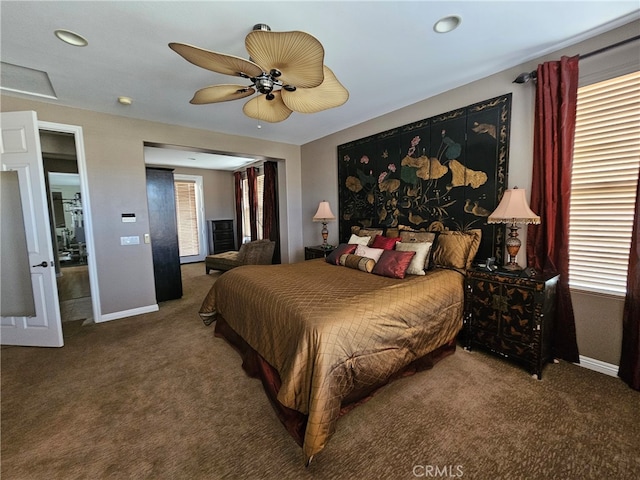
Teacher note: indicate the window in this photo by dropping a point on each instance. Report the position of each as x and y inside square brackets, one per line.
[246, 220]
[604, 178]
[187, 217]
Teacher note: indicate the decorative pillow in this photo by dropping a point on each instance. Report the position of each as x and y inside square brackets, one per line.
[370, 232]
[420, 261]
[393, 264]
[368, 252]
[343, 249]
[407, 237]
[455, 249]
[358, 240]
[386, 243]
[392, 232]
[357, 262]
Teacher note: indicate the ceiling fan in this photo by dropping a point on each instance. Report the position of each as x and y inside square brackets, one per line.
[286, 69]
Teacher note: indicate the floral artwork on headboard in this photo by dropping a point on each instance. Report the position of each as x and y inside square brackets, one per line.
[447, 172]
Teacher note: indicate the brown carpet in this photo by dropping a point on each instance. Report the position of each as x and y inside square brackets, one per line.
[157, 396]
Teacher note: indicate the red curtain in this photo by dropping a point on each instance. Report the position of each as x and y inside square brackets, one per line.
[270, 226]
[252, 181]
[548, 243]
[629, 370]
[237, 176]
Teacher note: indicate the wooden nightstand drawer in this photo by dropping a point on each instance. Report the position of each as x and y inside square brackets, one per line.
[317, 251]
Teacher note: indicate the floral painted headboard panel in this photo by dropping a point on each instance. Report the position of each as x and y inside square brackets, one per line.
[445, 172]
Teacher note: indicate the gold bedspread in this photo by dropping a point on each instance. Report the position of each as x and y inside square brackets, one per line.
[330, 329]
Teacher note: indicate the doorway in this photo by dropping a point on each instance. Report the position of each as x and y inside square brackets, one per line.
[67, 199]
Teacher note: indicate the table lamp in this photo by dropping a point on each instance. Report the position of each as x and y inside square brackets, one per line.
[324, 215]
[513, 209]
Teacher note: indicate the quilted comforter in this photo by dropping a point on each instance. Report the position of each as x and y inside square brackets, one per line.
[329, 330]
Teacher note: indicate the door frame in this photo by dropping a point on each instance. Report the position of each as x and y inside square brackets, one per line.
[81, 160]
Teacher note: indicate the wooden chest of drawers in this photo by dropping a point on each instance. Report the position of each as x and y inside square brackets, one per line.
[511, 316]
[221, 236]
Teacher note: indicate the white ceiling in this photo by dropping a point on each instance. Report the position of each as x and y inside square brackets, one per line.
[385, 53]
[188, 158]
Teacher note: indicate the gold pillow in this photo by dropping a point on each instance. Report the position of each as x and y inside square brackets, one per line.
[370, 232]
[358, 262]
[455, 249]
[419, 237]
[392, 232]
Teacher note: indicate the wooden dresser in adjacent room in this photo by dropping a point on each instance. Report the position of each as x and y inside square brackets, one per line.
[221, 236]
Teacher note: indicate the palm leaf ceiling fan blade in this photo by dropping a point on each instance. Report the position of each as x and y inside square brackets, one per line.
[329, 94]
[286, 68]
[298, 56]
[271, 111]
[216, 62]
[221, 93]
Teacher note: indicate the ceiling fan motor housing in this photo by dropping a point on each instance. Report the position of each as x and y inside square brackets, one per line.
[264, 84]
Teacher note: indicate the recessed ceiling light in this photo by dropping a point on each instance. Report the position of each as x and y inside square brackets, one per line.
[447, 24]
[71, 38]
[125, 100]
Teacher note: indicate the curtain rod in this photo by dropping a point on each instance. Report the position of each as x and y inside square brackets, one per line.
[604, 49]
[525, 77]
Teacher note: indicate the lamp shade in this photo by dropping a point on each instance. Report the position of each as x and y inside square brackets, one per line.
[513, 208]
[324, 213]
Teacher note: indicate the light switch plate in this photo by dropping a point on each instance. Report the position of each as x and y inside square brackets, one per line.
[134, 240]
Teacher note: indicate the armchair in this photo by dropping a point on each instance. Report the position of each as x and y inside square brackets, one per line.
[258, 252]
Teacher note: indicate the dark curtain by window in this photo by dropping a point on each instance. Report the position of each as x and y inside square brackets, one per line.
[237, 176]
[270, 228]
[252, 181]
[548, 243]
[629, 370]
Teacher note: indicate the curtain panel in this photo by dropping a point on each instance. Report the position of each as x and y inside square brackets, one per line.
[270, 227]
[548, 243]
[237, 177]
[252, 181]
[629, 370]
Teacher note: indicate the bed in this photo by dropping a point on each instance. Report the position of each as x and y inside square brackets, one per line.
[323, 336]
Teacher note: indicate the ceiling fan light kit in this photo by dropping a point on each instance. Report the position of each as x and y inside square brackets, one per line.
[286, 69]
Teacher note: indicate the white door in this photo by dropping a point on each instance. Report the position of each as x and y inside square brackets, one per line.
[20, 151]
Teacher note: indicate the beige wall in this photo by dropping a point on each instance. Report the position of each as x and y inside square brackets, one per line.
[116, 185]
[598, 318]
[218, 192]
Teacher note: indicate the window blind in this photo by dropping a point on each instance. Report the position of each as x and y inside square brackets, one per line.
[187, 217]
[603, 186]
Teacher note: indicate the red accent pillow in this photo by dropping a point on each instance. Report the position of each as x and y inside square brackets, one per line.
[386, 243]
[393, 263]
[343, 249]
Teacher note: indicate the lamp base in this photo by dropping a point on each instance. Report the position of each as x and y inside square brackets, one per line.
[513, 247]
[325, 235]
[512, 267]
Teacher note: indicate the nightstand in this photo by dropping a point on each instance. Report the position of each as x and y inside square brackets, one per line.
[510, 315]
[317, 251]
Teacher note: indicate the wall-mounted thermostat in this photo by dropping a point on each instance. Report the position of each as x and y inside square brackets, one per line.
[128, 217]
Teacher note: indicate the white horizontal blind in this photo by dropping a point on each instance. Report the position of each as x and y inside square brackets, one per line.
[187, 216]
[604, 179]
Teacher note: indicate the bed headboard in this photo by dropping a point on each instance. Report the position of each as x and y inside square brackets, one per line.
[447, 172]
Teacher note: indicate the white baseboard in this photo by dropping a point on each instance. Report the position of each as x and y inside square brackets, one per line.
[599, 366]
[128, 313]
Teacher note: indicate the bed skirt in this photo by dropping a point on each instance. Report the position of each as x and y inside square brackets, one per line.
[295, 422]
